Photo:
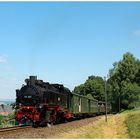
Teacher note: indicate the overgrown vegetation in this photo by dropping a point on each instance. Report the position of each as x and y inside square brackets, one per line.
[133, 124]
[6, 121]
[123, 84]
[1, 118]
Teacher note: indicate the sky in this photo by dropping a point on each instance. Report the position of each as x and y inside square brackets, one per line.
[64, 42]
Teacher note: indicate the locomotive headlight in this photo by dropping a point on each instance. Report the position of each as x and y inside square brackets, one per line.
[40, 106]
[29, 96]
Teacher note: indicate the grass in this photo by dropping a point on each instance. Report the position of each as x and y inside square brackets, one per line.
[114, 128]
[133, 124]
[122, 125]
[129, 111]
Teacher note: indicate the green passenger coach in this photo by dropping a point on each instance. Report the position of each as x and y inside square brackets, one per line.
[83, 105]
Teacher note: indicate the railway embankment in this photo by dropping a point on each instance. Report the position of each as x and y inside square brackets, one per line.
[123, 125]
[114, 128]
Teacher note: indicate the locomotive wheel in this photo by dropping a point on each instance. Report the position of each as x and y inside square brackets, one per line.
[35, 124]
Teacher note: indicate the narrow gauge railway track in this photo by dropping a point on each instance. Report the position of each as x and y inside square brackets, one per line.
[49, 133]
[13, 128]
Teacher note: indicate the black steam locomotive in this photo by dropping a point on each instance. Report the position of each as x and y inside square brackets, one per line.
[40, 103]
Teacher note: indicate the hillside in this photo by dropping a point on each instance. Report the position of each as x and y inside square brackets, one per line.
[2, 101]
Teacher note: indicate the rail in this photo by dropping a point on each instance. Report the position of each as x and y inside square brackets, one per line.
[13, 128]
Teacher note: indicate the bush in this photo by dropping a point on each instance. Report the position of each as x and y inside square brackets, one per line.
[1, 118]
[11, 116]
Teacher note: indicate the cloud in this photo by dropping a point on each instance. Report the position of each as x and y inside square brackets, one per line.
[137, 32]
[3, 59]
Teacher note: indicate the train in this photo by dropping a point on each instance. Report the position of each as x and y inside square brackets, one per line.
[41, 103]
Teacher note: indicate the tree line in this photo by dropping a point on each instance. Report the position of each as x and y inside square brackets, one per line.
[122, 85]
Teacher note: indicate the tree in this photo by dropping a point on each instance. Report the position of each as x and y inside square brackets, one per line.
[90, 96]
[123, 85]
[94, 85]
[113, 93]
[123, 82]
[128, 68]
[80, 89]
[137, 77]
[130, 95]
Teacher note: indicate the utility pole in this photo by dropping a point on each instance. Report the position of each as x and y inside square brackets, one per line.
[105, 100]
[119, 103]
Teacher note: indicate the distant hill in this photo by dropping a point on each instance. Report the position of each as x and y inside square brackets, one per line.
[6, 101]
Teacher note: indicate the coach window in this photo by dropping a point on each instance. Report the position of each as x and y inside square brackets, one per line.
[58, 99]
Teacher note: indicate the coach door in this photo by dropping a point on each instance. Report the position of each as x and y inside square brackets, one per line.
[79, 104]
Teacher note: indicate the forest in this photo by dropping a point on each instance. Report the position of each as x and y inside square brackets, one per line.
[122, 84]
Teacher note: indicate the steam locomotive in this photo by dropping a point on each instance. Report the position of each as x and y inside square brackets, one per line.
[41, 103]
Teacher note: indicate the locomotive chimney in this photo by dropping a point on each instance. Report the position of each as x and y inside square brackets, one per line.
[33, 79]
[17, 92]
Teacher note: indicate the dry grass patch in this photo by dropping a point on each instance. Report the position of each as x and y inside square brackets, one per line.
[115, 127]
